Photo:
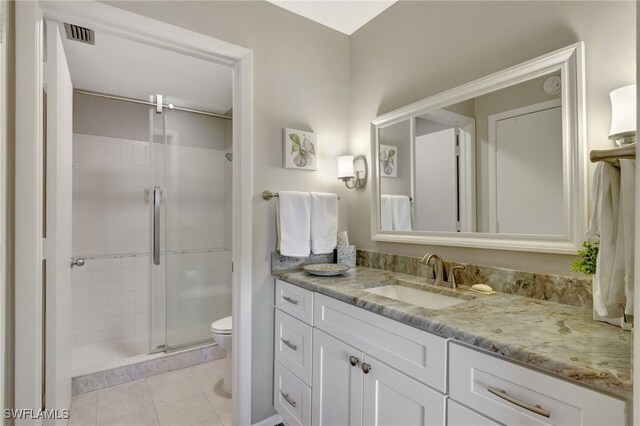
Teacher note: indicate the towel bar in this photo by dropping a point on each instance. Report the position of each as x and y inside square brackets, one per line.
[267, 195]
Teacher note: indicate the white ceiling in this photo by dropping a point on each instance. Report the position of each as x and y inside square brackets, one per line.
[345, 16]
[127, 68]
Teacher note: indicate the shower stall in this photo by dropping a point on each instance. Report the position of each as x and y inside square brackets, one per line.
[152, 222]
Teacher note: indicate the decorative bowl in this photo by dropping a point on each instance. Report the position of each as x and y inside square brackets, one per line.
[326, 269]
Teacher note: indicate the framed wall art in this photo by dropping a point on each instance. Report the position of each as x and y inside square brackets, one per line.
[300, 150]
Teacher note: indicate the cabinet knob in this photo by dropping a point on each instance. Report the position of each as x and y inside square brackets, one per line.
[353, 360]
[366, 368]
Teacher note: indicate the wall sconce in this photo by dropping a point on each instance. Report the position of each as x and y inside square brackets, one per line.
[347, 172]
[623, 115]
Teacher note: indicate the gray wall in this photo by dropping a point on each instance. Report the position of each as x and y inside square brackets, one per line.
[418, 49]
[301, 81]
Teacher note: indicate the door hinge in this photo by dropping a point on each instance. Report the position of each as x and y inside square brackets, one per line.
[232, 267]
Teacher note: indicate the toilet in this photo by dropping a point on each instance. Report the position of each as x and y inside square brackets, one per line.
[221, 331]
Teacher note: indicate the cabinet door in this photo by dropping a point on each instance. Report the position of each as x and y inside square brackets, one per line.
[391, 398]
[337, 385]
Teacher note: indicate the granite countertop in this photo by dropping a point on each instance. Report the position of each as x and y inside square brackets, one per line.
[559, 339]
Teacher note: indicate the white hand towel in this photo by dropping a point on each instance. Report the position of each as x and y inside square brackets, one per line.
[401, 213]
[324, 222]
[294, 223]
[386, 224]
[605, 223]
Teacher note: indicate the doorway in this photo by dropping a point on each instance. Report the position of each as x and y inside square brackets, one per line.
[152, 205]
[29, 109]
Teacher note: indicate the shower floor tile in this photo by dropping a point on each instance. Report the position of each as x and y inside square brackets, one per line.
[137, 403]
[99, 356]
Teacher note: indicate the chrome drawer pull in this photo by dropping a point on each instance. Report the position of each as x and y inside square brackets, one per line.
[291, 345]
[353, 360]
[534, 408]
[289, 400]
[290, 300]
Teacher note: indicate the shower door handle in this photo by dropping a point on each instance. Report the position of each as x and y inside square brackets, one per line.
[156, 225]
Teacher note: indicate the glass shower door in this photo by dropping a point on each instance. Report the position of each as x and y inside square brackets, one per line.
[156, 198]
[195, 254]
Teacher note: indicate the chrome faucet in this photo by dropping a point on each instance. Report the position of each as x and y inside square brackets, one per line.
[428, 260]
[433, 260]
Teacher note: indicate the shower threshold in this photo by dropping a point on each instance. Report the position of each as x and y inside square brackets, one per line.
[141, 366]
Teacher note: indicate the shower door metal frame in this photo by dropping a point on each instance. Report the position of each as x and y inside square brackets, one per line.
[29, 78]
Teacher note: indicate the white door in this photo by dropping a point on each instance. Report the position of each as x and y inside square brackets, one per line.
[57, 243]
[391, 398]
[436, 194]
[337, 384]
[528, 175]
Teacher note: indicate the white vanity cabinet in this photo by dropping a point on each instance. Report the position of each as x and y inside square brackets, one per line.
[363, 368]
[337, 378]
[459, 415]
[337, 364]
[293, 343]
[392, 398]
[352, 388]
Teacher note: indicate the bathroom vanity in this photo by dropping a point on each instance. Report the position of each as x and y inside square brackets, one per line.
[379, 347]
[348, 353]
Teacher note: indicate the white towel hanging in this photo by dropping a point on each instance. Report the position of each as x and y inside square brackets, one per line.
[386, 223]
[324, 222]
[401, 212]
[294, 223]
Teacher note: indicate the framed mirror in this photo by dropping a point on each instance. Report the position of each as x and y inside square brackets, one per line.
[497, 163]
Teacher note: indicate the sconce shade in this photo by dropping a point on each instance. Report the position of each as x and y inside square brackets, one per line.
[623, 112]
[345, 167]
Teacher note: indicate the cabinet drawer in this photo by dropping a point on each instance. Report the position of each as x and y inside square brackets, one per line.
[459, 415]
[509, 393]
[416, 353]
[295, 301]
[291, 397]
[293, 345]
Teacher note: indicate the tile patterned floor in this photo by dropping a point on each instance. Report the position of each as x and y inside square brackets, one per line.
[191, 396]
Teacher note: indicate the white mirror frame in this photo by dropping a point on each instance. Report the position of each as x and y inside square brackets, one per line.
[570, 61]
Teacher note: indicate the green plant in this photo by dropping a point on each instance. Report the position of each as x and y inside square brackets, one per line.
[586, 261]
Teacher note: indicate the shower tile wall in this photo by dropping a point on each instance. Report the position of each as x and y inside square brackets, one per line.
[111, 230]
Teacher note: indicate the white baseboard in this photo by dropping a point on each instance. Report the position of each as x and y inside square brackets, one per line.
[270, 421]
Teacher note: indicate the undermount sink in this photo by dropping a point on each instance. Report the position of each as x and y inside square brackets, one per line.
[414, 296]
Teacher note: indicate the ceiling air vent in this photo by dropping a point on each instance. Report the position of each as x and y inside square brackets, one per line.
[78, 33]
